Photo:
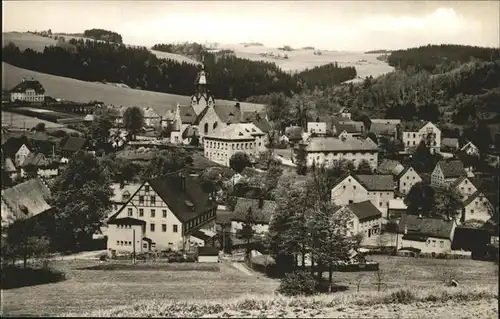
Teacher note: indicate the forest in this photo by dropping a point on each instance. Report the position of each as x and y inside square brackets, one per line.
[104, 35]
[230, 77]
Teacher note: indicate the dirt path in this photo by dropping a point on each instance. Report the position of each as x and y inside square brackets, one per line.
[241, 267]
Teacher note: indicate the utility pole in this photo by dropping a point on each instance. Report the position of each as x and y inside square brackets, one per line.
[133, 255]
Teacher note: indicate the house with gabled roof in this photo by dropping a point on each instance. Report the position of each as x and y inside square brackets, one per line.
[450, 143]
[151, 117]
[378, 189]
[262, 211]
[447, 172]
[464, 187]
[24, 201]
[163, 213]
[476, 207]
[22, 153]
[30, 91]
[470, 149]
[351, 128]
[427, 132]
[424, 236]
[385, 127]
[365, 218]
[43, 166]
[406, 179]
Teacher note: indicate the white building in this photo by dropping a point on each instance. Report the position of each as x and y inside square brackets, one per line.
[378, 189]
[328, 150]
[470, 149]
[238, 137]
[477, 207]
[429, 236]
[163, 213]
[406, 179]
[429, 133]
[364, 219]
[21, 154]
[28, 91]
[318, 128]
[447, 172]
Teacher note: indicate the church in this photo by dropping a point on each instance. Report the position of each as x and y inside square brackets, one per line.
[204, 116]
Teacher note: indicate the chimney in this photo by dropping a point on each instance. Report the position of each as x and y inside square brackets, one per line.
[261, 203]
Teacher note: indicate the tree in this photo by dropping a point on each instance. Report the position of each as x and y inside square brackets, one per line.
[195, 141]
[447, 204]
[301, 160]
[420, 199]
[40, 127]
[364, 167]
[273, 174]
[100, 128]
[422, 159]
[133, 120]
[81, 200]
[239, 161]
[166, 162]
[247, 231]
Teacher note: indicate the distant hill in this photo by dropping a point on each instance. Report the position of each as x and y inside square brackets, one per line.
[81, 91]
[298, 59]
[378, 51]
[103, 35]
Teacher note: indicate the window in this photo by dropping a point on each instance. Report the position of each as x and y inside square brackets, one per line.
[414, 137]
[153, 200]
[404, 184]
[164, 212]
[174, 228]
[152, 227]
[141, 212]
[343, 186]
[380, 203]
[146, 188]
[206, 128]
[441, 243]
[164, 227]
[121, 242]
[433, 243]
[427, 242]
[141, 200]
[472, 211]
[215, 125]
[117, 242]
[145, 245]
[130, 211]
[153, 213]
[354, 186]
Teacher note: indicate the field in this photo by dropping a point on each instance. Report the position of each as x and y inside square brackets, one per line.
[365, 64]
[81, 91]
[22, 121]
[106, 292]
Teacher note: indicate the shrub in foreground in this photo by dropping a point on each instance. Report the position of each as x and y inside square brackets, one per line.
[16, 277]
[298, 283]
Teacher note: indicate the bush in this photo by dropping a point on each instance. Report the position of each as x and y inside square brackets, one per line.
[16, 277]
[298, 283]
[403, 296]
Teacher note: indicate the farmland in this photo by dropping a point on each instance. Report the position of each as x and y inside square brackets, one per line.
[22, 121]
[109, 292]
[81, 91]
[300, 59]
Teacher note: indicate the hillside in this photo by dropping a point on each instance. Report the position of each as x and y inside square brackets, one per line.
[298, 60]
[81, 91]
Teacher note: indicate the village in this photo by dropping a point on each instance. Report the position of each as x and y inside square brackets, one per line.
[383, 194]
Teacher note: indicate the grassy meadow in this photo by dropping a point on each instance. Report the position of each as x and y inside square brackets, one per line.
[81, 91]
[22, 121]
[169, 292]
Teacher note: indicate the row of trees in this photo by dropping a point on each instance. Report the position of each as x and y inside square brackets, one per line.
[230, 77]
[103, 35]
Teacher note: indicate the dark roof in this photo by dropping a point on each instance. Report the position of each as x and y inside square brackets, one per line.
[458, 181]
[293, 132]
[260, 215]
[27, 85]
[73, 144]
[187, 113]
[472, 197]
[376, 182]
[27, 199]
[169, 188]
[190, 131]
[449, 142]
[364, 210]
[349, 128]
[228, 114]
[383, 128]
[208, 251]
[126, 221]
[454, 168]
[431, 227]
[200, 235]
[258, 119]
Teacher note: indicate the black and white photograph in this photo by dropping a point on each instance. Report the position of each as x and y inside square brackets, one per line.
[250, 159]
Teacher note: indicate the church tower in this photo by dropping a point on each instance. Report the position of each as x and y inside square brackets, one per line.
[202, 97]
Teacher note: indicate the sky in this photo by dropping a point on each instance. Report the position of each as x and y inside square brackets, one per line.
[328, 25]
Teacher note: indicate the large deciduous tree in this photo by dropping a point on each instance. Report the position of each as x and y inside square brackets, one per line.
[133, 120]
[81, 197]
[420, 200]
[239, 161]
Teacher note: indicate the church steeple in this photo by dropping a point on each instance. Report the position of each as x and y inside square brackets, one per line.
[202, 97]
